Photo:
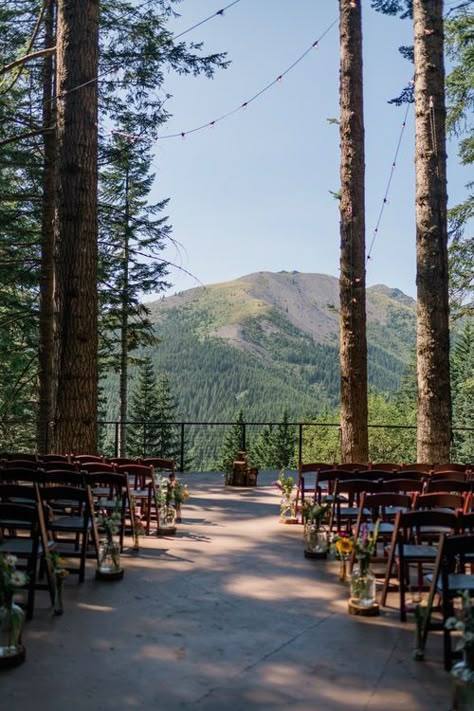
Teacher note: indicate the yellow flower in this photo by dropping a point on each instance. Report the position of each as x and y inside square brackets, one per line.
[344, 546]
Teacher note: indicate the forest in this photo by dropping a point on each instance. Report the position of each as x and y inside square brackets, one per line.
[82, 98]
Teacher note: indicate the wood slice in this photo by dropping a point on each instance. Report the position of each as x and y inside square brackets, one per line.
[362, 611]
[13, 660]
[166, 531]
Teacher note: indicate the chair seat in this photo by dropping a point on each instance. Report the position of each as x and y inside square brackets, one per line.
[22, 546]
[69, 523]
[460, 581]
[412, 551]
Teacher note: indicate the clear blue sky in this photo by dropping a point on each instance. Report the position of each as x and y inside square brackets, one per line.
[252, 193]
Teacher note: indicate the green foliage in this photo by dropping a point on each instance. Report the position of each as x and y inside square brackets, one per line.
[274, 447]
[152, 408]
[231, 445]
[462, 379]
[460, 94]
[131, 237]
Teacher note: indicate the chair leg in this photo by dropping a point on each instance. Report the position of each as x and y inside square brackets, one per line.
[388, 571]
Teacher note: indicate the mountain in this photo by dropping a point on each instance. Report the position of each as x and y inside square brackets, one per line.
[268, 342]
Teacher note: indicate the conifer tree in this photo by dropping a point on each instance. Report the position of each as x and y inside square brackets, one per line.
[143, 411]
[352, 321]
[462, 368]
[152, 409]
[232, 443]
[433, 376]
[131, 238]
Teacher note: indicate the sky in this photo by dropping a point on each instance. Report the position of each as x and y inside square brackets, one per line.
[253, 193]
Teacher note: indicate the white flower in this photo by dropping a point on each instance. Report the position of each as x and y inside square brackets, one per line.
[18, 579]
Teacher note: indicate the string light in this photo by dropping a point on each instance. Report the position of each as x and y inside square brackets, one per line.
[385, 197]
[245, 104]
[116, 67]
[219, 13]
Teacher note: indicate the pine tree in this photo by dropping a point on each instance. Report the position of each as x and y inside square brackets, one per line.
[284, 443]
[143, 411]
[353, 336]
[460, 93]
[232, 443]
[132, 237]
[433, 377]
[166, 444]
[75, 313]
[462, 365]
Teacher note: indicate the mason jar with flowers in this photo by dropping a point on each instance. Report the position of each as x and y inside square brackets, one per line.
[316, 542]
[165, 506]
[108, 560]
[463, 671]
[286, 485]
[12, 651]
[363, 591]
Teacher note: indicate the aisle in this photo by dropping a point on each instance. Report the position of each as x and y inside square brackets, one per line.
[227, 616]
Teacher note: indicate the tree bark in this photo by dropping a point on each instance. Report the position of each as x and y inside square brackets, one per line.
[434, 394]
[124, 328]
[76, 227]
[46, 310]
[353, 339]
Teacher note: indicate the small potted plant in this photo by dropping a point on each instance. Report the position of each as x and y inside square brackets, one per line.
[12, 651]
[315, 536]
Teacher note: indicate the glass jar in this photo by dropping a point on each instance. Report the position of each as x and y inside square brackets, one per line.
[463, 681]
[363, 592]
[167, 517]
[287, 509]
[11, 626]
[315, 541]
[108, 563]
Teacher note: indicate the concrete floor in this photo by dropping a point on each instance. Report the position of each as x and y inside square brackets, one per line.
[226, 616]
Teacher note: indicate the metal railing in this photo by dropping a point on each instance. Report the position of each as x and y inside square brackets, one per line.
[198, 445]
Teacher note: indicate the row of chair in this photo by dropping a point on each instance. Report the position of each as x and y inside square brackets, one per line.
[433, 533]
[41, 511]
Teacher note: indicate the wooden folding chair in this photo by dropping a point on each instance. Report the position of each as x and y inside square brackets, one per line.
[23, 534]
[449, 581]
[141, 484]
[70, 522]
[414, 542]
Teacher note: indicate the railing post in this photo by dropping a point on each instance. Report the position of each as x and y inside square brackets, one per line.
[300, 444]
[116, 445]
[181, 455]
[243, 437]
[144, 439]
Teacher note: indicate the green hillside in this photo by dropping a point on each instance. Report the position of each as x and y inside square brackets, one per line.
[269, 342]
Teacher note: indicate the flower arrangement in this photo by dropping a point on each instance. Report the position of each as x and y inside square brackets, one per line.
[365, 544]
[59, 570]
[171, 492]
[314, 513]
[137, 524]
[464, 623]
[110, 523]
[109, 548]
[285, 483]
[11, 579]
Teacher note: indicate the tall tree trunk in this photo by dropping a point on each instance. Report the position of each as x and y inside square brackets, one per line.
[46, 310]
[124, 328]
[76, 227]
[434, 395]
[353, 339]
